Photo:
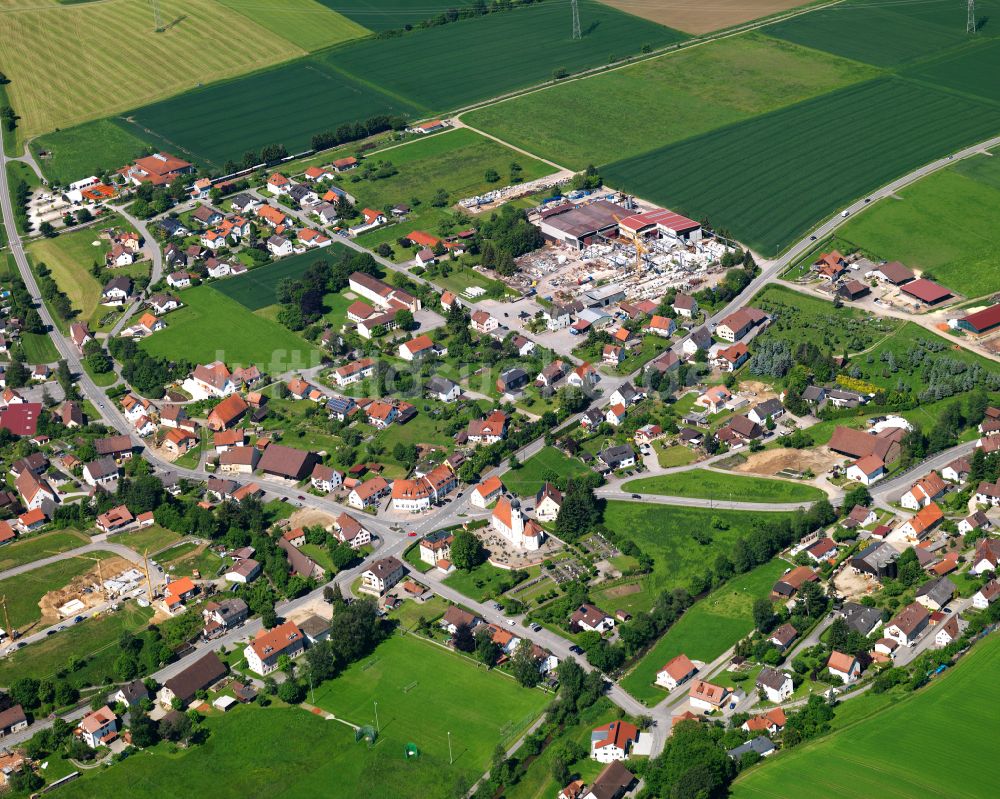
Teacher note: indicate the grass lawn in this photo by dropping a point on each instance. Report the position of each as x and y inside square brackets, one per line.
[538, 782]
[707, 484]
[483, 582]
[87, 149]
[185, 558]
[800, 317]
[549, 463]
[211, 326]
[40, 546]
[766, 204]
[961, 200]
[870, 752]
[411, 611]
[144, 71]
[38, 348]
[675, 455]
[456, 161]
[706, 630]
[94, 641]
[664, 533]
[70, 256]
[258, 287]
[680, 95]
[405, 676]
[153, 538]
[24, 591]
[319, 554]
[412, 558]
[305, 23]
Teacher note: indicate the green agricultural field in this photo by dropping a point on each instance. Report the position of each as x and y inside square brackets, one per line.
[87, 149]
[258, 287]
[706, 484]
[665, 99]
[456, 161]
[211, 326]
[527, 480]
[24, 591]
[38, 348]
[706, 630]
[108, 79]
[285, 105]
[945, 224]
[664, 532]
[405, 676]
[468, 61]
[93, 641]
[153, 539]
[968, 70]
[884, 34]
[40, 546]
[305, 23]
[770, 199]
[802, 317]
[871, 751]
[382, 15]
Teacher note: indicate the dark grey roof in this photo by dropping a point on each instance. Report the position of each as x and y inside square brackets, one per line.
[761, 745]
[861, 618]
[814, 393]
[772, 678]
[769, 407]
[615, 455]
[939, 591]
[440, 385]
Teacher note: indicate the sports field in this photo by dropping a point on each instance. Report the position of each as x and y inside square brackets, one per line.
[884, 34]
[285, 105]
[257, 288]
[211, 326]
[701, 17]
[880, 754]
[666, 99]
[87, 149]
[802, 171]
[381, 15]
[305, 23]
[706, 630]
[71, 63]
[946, 224]
[454, 65]
[423, 692]
[707, 484]
[665, 533]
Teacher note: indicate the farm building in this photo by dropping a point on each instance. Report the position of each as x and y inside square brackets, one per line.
[981, 321]
[926, 291]
[660, 223]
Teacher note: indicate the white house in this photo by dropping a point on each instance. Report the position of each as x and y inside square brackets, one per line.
[487, 492]
[986, 595]
[382, 575]
[776, 685]
[923, 492]
[591, 618]
[279, 246]
[548, 501]
[846, 667]
[613, 741]
[905, 627]
[263, 652]
[676, 672]
[99, 727]
[707, 697]
[867, 470]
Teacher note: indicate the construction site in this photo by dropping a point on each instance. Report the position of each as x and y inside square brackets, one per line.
[643, 250]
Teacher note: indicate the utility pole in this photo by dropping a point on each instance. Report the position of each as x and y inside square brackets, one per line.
[6, 618]
[450, 758]
[577, 34]
[970, 17]
[149, 585]
[157, 22]
[377, 728]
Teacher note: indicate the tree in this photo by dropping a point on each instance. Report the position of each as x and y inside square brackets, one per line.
[440, 198]
[524, 665]
[24, 692]
[579, 511]
[404, 319]
[856, 496]
[291, 691]
[487, 651]
[145, 731]
[491, 176]
[47, 230]
[763, 615]
[463, 639]
[467, 550]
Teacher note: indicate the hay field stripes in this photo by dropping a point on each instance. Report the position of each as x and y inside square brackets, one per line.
[304, 23]
[136, 66]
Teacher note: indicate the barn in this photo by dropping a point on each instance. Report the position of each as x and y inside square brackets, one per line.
[981, 321]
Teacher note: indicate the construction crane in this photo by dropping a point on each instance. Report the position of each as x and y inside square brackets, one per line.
[149, 584]
[641, 250]
[100, 571]
[6, 619]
